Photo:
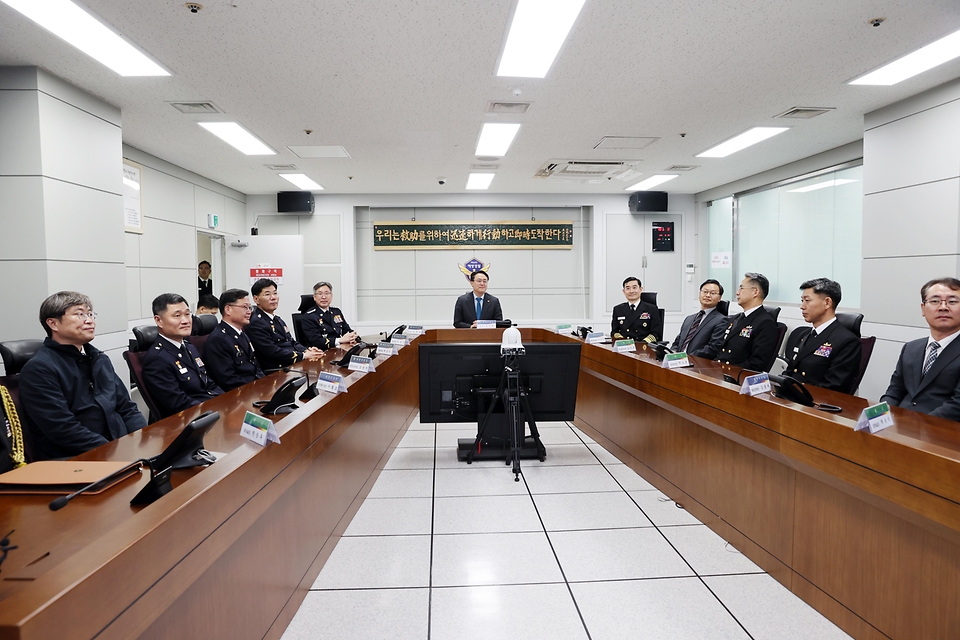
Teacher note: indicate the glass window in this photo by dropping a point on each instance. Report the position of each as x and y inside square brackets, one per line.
[720, 243]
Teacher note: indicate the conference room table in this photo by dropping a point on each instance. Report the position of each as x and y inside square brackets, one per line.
[865, 528]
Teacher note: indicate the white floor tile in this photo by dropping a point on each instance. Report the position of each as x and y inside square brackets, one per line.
[580, 479]
[410, 458]
[662, 514]
[403, 484]
[447, 459]
[493, 558]
[417, 439]
[446, 426]
[617, 554]
[583, 436]
[392, 516]
[769, 611]
[629, 479]
[368, 563]
[708, 553]
[670, 609]
[399, 614]
[485, 514]
[416, 425]
[605, 456]
[448, 438]
[565, 455]
[571, 511]
[515, 611]
[473, 480]
[558, 435]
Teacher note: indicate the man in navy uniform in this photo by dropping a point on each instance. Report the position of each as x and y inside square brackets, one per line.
[272, 340]
[71, 400]
[701, 333]
[173, 372]
[476, 305]
[324, 326]
[828, 354]
[634, 318]
[229, 352]
[750, 339]
[927, 377]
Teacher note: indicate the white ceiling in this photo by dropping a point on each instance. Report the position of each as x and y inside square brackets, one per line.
[403, 86]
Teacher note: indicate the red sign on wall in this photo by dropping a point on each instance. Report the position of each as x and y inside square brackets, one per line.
[272, 273]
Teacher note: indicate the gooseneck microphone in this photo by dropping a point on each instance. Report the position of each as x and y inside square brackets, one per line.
[61, 502]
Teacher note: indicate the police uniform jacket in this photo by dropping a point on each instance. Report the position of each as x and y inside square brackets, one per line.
[71, 402]
[643, 321]
[465, 311]
[830, 359]
[749, 341]
[706, 341]
[322, 328]
[230, 358]
[937, 393]
[273, 342]
[176, 377]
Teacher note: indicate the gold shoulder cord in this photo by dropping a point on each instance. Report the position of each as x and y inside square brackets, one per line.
[16, 439]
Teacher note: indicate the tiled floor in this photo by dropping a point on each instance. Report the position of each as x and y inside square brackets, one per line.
[582, 547]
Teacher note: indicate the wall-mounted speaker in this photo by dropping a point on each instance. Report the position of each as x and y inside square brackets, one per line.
[295, 202]
[643, 201]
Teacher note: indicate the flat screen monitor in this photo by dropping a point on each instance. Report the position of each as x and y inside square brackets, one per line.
[451, 375]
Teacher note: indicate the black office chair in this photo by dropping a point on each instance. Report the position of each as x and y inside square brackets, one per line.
[306, 301]
[774, 311]
[724, 307]
[851, 321]
[146, 336]
[793, 334]
[866, 350]
[17, 353]
[649, 296]
[781, 332]
[296, 319]
[204, 325]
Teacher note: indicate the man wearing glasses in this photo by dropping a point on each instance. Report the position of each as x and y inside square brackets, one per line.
[927, 377]
[229, 352]
[325, 327]
[702, 333]
[71, 398]
[750, 339]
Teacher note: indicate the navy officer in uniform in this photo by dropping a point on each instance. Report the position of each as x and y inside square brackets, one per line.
[172, 369]
[828, 354]
[274, 345]
[634, 318]
[750, 339]
[229, 352]
[324, 326]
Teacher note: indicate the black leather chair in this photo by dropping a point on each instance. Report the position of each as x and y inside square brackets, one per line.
[866, 350]
[16, 353]
[651, 297]
[781, 332]
[724, 307]
[774, 311]
[145, 337]
[204, 325]
[296, 319]
[306, 301]
[851, 321]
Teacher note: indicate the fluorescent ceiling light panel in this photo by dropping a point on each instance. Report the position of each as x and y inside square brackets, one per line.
[535, 36]
[928, 57]
[651, 182]
[238, 137]
[742, 141]
[495, 139]
[821, 185]
[301, 180]
[479, 180]
[66, 20]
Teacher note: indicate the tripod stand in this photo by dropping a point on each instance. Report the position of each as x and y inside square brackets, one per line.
[514, 397]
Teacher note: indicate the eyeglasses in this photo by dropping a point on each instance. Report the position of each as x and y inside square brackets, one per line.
[84, 316]
[934, 303]
[245, 307]
[707, 292]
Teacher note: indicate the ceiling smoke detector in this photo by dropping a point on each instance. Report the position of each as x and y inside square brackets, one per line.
[193, 7]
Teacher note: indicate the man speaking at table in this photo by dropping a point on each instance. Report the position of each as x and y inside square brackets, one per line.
[476, 305]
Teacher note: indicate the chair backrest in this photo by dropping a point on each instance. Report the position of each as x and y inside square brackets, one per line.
[774, 311]
[204, 324]
[306, 301]
[146, 336]
[851, 321]
[724, 307]
[663, 315]
[199, 343]
[17, 353]
[649, 296]
[295, 320]
[866, 350]
[135, 364]
[781, 332]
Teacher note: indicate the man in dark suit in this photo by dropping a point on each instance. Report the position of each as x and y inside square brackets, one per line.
[274, 345]
[229, 352]
[204, 283]
[828, 354]
[476, 305]
[325, 327]
[634, 318]
[750, 338]
[701, 333]
[173, 372]
[927, 377]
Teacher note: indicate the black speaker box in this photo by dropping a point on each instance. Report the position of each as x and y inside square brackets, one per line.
[295, 202]
[642, 201]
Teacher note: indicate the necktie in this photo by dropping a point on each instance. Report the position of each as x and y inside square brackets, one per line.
[693, 330]
[478, 308]
[932, 349]
[633, 307]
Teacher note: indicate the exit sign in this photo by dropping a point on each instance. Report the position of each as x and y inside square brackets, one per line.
[213, 220]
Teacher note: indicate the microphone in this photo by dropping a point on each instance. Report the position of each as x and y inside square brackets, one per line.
[61, 502]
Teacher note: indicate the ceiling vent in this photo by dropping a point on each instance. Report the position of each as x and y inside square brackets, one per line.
[682, 167]
[805, 113]
[281, 167]
[624, 142]
[484, 167]
[583, 170]
[508, 107]
[195, 107]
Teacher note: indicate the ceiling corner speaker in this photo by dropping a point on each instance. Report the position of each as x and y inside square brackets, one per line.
[295, 202]
[643, 201]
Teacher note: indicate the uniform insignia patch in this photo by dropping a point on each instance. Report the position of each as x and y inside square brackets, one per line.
[644, 316]
[198, 361]
[746, 331]
[338, 319]
[824, 350]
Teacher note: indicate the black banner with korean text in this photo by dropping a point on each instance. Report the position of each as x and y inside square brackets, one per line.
[451, 235]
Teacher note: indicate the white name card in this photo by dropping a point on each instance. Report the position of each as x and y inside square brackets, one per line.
[386, 349]
[676, 361]
[332, 382]
[875, 418]
[414, 330]
[399, 340]
[564, 328]
[486, 324]
[258, 429]
[360, 363]
[755, 385]
[625, 346]
[595, 338]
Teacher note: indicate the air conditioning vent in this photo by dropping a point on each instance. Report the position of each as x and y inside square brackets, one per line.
[583, 170]
[195, 107]
[484, 167]
[625, 142]
[281, 167]
[508, 107]
[805, 113]
[682, 167]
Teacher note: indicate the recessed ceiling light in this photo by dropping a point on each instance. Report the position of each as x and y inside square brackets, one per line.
[535, 36]
[742, 141]
[301, 180]
[821, 185]
[479, 180]
[238, 137]
[651, 182]
[495, 139]
[928, 57]
[66, 20]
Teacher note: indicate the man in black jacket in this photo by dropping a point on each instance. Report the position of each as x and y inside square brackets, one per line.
[173, 372]
[71, 399]
[325, 327]
[634, 318]
[274, 345]
[228, 351]
[477, 304]
[750, 339]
